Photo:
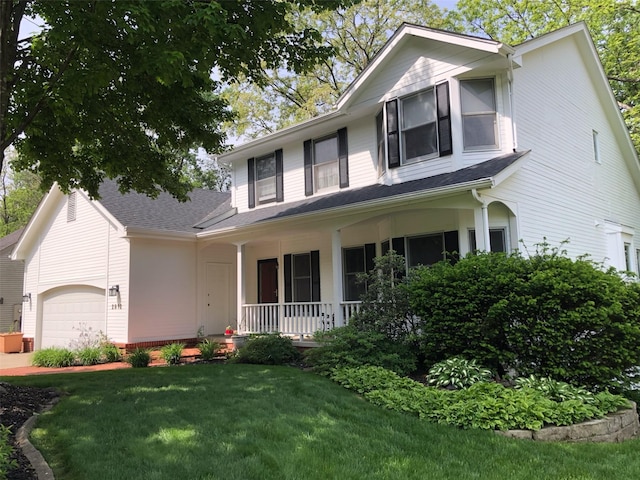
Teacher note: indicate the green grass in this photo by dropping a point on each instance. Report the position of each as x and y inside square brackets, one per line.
[248, 422]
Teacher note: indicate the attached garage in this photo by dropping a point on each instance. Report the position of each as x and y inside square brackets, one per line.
[69, 311]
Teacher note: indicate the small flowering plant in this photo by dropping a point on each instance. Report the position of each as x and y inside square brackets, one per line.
[228, 330]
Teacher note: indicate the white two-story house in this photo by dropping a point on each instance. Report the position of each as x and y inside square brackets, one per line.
[445, 144]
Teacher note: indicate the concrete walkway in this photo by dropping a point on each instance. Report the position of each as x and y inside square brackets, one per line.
[14, 360]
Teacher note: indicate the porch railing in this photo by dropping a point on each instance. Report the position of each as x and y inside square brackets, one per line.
[298, 319]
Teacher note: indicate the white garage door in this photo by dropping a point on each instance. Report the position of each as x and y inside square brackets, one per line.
[69, 312]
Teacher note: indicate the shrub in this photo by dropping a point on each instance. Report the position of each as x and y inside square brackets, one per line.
[457, 372]
[110, 352]
[483, 405]
[6, 462]
[172, 353]
[53, 357]
[208, 349]
[89, 355]
[350, 346]
[139, 358]
[270, 349]
[546, 315]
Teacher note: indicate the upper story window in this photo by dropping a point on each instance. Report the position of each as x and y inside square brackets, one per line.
[418, 127]
[265, 179]
[479, 118]
[326, 163]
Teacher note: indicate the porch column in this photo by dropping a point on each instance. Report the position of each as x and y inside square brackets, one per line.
[240, 289]
[336, 267]
[481, 222]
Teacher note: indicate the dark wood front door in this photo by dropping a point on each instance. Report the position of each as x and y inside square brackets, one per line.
[268, 281]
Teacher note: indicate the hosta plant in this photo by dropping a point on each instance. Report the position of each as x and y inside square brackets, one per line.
[457, 372]
[139, 358]
[172, 353]
[555, 390]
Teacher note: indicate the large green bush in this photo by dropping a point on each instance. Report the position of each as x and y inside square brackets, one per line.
[268, 349]
[350, 346]
[546, 315]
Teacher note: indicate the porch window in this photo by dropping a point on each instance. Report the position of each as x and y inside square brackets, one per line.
[497, 237]
[426, 249]
[356, 260]
[479, 118]
[302, 277]
[265, 179]
[418, 126]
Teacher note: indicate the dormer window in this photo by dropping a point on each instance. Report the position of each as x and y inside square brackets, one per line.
[265, 182]
[479, 118]
[326, 163]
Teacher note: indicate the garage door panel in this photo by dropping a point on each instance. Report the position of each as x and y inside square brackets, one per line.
[69, 312]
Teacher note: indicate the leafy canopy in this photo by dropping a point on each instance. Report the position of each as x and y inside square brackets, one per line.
[126, 89]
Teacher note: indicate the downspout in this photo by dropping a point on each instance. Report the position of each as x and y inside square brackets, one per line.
[485, 219]
[512, 107]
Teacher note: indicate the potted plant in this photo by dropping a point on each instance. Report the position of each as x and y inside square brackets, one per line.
[11, 342]
[228, 331]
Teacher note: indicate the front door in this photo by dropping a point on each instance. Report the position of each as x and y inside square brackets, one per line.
[268, 281]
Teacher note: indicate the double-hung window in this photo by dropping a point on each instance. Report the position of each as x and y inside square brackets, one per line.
[302, 277]
[326, 163]
[479, 118]
[425, 249]
[417, 127]
[265, 179]
[497, 237]
[355, 261]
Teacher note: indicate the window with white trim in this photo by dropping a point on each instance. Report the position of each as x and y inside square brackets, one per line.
[355, 261]
[497, 237]
[418, 126]
[325, 163]
[479, 116]
[265, 179]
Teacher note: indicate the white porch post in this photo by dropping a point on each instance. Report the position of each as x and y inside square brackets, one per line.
[336, 267]
[481, 222]
[240, 289]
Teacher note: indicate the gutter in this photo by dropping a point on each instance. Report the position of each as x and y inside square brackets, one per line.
[137, 232]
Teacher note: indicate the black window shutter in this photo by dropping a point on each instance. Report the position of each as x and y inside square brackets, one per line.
[369, 256]
[288, 275]
[308, 169]
[444, 119]
[251, 171]
[397, 244]
[393, 134]
[315, 276]
[452, 246]
[279, 180]
[343, 157]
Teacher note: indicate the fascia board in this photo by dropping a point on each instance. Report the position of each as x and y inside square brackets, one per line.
[136, 232]
[350, 209]
[53, 196]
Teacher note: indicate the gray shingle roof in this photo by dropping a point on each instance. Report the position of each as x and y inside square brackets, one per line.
[480, 171]
[164, 212]
[11, 239]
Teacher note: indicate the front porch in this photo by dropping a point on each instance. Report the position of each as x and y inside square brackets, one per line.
[299, 320]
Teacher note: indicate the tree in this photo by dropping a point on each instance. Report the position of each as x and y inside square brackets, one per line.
[125, 89]
[355, 34]
[19, 196]
[612, 23]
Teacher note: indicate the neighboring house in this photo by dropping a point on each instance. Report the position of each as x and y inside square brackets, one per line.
[11, 281]
[444, 143]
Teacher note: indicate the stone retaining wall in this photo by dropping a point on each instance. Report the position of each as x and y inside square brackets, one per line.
[615, 427]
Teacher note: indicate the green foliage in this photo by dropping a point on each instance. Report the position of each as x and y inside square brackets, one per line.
[350, 347]
[546, 315]
[19, 196]
[457, 372]
[125, 89]
[139, 358]
[208, 349]
[110, 352]
[483, 405]
[270, 349]
[555, 390]
[6, 462]
[89, 355]
[172, 353]
[53, 357]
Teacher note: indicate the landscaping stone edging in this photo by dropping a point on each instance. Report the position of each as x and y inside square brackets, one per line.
[39, 464]
[614, 428]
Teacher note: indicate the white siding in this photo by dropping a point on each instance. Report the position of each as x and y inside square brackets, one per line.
[221, 255]
[162, 293]
[562, 193]
[11, 281]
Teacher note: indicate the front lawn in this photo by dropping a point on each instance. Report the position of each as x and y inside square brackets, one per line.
[247, 422]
